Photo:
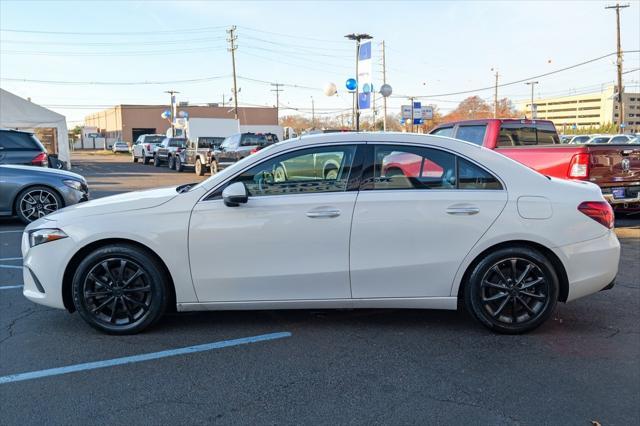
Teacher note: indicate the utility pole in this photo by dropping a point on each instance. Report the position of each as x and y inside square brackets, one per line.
[617, 7]
[277, 90]
[532, 84]
[384, 81]
[358, 38]
[313, 114]
[495, 98]
[411, 99]
[232, 48]
[173, 93]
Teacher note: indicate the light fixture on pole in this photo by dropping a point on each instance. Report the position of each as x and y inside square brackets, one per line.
[532, 84]
[357, 38]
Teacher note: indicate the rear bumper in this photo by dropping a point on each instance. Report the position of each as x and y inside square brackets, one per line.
[591, 265]
[621, 201]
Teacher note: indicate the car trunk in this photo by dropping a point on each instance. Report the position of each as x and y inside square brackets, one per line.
[616, 169]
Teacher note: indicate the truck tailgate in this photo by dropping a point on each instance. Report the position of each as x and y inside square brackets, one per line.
[616, 169]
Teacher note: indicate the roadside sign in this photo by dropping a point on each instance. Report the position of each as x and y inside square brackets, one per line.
[427, 112]
[417, 110]
[406, 111]
[92, 135]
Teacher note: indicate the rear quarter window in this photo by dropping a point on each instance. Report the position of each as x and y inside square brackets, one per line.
[443, 131]
[19, 141]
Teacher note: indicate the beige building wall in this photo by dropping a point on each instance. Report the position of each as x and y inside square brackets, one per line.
[586, 110]
[120, 121]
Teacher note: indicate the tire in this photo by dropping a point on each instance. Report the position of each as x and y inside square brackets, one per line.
[512, 290]
[199, 169]
[213, 167]
[105, 295]
[134, 158]
[172, 162]
[156, 161]
[145, 159]
[35, 202]
[179, 165]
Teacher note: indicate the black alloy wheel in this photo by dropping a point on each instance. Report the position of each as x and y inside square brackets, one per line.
[512, 290]
[179, 165]
[36, 202]
[120, 289]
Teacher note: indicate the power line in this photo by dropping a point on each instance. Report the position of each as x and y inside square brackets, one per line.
[116, 83]
[524, 80]
[110, 33]
[112, 43]
[114, 53]
[296, 36]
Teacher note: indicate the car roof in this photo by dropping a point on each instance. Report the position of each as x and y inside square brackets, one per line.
[488, 120]
[3, 129]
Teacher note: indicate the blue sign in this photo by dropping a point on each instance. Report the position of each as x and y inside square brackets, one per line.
[352, 84]
[364, 100]
[365, 51]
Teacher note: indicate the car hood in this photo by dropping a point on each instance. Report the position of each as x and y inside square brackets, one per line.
[115, 204]
[46, 171]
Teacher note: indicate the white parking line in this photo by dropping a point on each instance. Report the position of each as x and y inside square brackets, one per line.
[9, 287]
[140, 358]
[11, 232]
[10, 267]
[6, 259]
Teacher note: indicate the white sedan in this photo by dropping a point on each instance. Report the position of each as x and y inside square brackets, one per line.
[348, 220]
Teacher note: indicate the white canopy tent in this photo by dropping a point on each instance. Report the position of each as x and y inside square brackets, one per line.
[18, 113]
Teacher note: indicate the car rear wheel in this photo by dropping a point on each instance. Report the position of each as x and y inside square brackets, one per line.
[179, 165]
[199, 168]
[213, 167]
[512, 290]
[156, 161]
[36, 202]
[145, 159]
[134, 158]
[172, 162]
[120, 289]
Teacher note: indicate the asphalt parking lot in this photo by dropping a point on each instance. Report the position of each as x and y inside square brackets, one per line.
[324, 367]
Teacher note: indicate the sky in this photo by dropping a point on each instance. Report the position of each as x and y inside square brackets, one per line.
[433, 49]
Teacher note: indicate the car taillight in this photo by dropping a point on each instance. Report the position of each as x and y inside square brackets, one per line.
[40, 160]
[148, 148]
[579, 166]
[254, 150]
[600, 211]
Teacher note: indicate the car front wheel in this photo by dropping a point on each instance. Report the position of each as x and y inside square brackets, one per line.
[512, 290]
[199, 168]
[156, 161]
[36, 202]
[172, 163]
[179, 165]
[120, 289]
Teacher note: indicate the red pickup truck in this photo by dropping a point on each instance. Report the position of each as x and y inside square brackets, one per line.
[535, 143]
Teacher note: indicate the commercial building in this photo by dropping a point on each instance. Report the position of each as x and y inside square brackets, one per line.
[587, 110]
[127, 122]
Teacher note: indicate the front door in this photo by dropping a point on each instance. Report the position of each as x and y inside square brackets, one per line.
[419, 213]
[290, 241]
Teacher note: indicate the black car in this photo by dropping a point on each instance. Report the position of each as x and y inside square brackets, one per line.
[23, 148]
[240, 145]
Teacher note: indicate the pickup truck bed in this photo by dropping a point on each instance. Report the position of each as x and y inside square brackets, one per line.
[614, 168]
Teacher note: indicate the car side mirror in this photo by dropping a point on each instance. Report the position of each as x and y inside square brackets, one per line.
[235, 194]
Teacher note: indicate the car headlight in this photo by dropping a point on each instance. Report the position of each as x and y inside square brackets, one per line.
[41, 236]
[73, 184]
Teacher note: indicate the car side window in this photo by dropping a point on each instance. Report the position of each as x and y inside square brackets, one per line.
[17, 141]
[443, 131]
[407, 167]
[472, 133]
[312, 170]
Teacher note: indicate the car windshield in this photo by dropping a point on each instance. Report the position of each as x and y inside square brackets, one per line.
[601, 139]
[177, 142]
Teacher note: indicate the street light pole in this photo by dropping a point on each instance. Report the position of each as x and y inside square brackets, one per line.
[532, 84]
[313, 114]
[172, 93]
[357, 38]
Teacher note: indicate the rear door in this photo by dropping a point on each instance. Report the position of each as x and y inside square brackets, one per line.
[419, 212]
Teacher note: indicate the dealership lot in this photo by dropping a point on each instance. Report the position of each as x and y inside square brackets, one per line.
[369, 366]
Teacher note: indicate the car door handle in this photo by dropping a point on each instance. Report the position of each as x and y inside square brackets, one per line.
[314, 214]
[468, 211]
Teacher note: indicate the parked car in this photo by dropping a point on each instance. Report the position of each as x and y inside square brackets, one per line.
[168, 150]
[488, 232]
[144, 147]
[566, 138]
[599, 139]
[620, 139]
[615, 168]
[238, 146]
[33, 192]
[18, 147]
[580, 139]
[198, 155]
[634, 140]
[120, 146]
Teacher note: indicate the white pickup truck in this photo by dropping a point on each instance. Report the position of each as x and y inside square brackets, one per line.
[144, 147]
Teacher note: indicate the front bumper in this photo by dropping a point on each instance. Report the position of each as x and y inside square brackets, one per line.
[591, 265]
[43, 270]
